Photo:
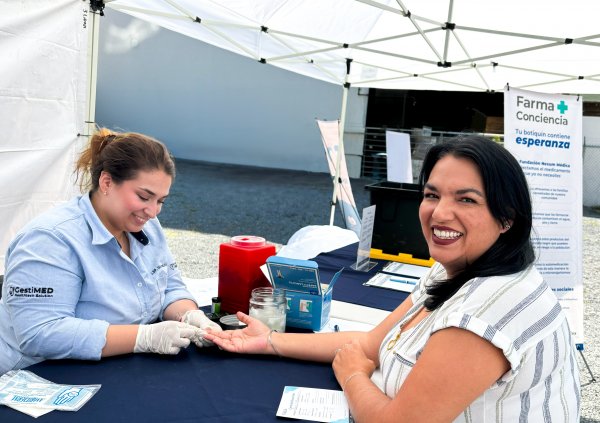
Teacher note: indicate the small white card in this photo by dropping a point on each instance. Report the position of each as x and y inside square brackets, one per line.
[395, 282]
[319, 405]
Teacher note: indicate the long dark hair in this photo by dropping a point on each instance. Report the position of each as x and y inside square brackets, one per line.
[508, 200]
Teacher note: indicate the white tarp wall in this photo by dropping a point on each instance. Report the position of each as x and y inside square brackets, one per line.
[43, 78]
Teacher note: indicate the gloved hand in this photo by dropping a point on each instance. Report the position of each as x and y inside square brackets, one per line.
[198, 318]
[164, 338]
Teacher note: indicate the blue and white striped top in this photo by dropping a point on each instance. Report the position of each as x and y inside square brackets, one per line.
[520, 315]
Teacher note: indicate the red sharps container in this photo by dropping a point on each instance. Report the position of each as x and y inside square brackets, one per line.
[239, 270]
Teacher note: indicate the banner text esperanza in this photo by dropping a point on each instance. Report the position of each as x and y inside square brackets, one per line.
[540, 139]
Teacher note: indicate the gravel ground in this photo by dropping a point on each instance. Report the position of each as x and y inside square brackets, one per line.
[210, 203]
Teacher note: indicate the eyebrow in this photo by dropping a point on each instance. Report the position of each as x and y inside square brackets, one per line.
[470, 190]
[151, 192]
[460, 191]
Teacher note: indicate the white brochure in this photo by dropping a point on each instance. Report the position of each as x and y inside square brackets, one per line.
[319, 405]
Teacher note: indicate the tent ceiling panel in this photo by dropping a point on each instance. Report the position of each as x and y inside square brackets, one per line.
[447, 44]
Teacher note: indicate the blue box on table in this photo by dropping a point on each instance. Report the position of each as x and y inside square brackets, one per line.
[308, 300]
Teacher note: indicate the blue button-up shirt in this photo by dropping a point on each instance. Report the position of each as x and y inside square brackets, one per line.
[67, 280]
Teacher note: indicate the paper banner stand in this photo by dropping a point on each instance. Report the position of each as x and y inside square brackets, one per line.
[363, 262]
[541, 177]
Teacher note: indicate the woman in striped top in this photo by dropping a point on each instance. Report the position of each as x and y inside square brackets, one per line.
[482, 338]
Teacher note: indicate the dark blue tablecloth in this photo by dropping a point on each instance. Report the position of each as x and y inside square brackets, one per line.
[204, 385]
[349, 288]
[197, 385]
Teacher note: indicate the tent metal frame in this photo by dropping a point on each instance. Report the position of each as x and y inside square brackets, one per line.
[452, 30]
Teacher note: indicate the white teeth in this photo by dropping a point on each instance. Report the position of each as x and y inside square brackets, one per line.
[140, 219]
[446, 234]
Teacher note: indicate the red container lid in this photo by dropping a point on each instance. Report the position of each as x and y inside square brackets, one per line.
[248, 241]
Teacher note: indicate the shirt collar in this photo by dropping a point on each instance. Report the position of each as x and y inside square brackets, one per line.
[141, 237]
[101, 235]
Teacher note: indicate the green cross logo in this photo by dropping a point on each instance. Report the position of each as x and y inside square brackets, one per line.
[562, 107]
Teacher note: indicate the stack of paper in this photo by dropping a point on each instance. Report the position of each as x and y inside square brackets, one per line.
[30, 394]
[398, 276]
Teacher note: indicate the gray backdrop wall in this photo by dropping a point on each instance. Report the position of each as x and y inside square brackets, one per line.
[212, 105]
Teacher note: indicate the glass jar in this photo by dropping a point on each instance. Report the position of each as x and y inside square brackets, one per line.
[269, 305]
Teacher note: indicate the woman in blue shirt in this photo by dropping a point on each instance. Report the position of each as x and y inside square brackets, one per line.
[89, 278]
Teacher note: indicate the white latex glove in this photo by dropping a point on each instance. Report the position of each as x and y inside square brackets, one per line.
[198, 318]
[164, 338]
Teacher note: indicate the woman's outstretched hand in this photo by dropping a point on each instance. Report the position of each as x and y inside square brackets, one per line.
[250, 340]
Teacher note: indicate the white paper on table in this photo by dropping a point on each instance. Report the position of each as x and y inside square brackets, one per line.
[31, 411]
[24, 388]
[405, 269]
[319, 405]
[203, 290]
[397, 283]
[344, 325]
[357, 313]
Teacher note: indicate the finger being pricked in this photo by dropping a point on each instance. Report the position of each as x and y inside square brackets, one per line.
[251, 339]
[223, 339]
[219, 336]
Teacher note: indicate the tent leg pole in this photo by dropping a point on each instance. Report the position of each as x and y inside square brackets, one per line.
[90, 118]
[340, 152]
[332, 213]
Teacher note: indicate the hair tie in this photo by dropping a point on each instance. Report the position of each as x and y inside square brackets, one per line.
[106, 140]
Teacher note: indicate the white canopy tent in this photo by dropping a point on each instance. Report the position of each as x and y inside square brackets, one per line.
[465, 45]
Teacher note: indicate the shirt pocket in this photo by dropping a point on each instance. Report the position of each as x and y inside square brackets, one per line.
[394, 376]
[403, 360]
[160, 279]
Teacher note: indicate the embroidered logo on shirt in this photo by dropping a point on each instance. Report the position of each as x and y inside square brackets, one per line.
[172, 266]
[157, 268]
[18, 291]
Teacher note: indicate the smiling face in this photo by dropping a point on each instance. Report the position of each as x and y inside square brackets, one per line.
[128, 206]
[454, 214]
